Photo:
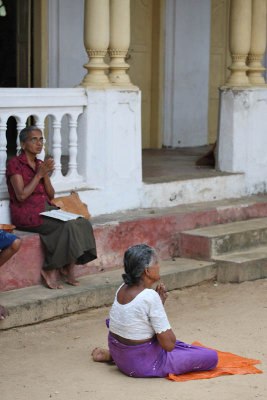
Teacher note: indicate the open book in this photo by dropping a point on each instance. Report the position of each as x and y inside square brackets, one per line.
[61, 215]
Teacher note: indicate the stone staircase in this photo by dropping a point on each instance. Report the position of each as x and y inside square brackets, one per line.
[37, 303]
[239, 248]
[196, 242]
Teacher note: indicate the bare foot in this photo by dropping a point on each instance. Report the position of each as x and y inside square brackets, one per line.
[50, 279]
[100, 355]
[67, 273]
[3, 313]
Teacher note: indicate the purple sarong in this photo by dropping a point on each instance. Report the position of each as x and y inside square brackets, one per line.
[151, 360]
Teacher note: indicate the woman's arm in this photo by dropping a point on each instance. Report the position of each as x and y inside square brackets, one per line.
[47, 183]
[23, 192]
[167, 340]
[49, 188]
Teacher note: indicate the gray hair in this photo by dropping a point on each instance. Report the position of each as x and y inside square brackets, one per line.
[135, 260]
[24, 133]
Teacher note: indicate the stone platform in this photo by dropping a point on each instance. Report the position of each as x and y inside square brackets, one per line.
[37, 303]
[158, 227]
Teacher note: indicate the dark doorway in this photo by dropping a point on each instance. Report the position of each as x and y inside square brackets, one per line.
[16, 56]
[8, 47]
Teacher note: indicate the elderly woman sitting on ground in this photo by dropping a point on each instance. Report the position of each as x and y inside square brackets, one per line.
[31, 192]
[141, 341]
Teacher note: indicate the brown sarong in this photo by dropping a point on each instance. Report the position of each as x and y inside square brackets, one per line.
[65, 242]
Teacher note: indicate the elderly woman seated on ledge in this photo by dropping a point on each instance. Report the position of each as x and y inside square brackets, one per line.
[65, 243]
[141, 341]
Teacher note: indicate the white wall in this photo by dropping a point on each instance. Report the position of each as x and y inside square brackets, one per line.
[242, 135]
[66, 52]
[185, 111]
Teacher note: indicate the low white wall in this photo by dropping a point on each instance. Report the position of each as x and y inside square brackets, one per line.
[109, 151]
[109, 159]
[243, 135]
[111, 155]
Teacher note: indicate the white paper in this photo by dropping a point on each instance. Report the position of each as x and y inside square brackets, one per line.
[61, 215]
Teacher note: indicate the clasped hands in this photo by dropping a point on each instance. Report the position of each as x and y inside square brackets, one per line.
[161, 290]
[46, 168]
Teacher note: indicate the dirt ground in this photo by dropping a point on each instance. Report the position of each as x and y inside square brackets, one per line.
[52, 359]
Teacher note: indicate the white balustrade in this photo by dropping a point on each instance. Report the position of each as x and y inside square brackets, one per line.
[73, 147]
[39, 103]
[3, 151]
[56, 148]
[21, 123]
[39, 122]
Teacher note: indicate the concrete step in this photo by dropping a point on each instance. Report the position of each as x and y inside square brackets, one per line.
[114, 233]
[211, 241]
[242, 266]
[37, 303]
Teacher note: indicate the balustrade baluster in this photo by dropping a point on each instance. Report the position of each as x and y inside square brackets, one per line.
[73, 147]
[3, 150]
[40, 124]
[56, 148]
[21, 123]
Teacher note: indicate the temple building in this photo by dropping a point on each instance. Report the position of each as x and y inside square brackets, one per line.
[105, 79]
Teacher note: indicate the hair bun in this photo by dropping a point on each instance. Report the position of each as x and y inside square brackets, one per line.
[127, 279]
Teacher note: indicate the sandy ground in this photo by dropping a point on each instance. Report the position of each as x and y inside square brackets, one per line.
[52, 359]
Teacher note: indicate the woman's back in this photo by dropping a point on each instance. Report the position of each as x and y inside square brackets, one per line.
[141, 317]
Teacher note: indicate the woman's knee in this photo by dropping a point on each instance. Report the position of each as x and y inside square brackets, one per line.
[16, 245]
[213, 358]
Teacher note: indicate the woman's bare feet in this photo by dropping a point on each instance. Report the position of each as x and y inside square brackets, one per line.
[3, 313]
[50, 279]
[101, 355]
[68, 274]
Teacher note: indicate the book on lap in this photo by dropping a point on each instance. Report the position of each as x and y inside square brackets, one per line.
[61, 215]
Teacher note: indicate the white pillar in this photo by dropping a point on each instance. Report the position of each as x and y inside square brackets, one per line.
[119, 41]
[3, 150]
[96, 40]
[73, 147]
[39, 121]
[56, 148]
[21, 123]
[240, 36]
[258, 43]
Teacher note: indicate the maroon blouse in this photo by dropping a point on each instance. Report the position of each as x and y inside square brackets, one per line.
[26, 213]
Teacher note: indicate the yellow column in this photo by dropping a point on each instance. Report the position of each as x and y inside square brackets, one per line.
[258, 42]
[119, 42]
[96, 40]
[240, 36]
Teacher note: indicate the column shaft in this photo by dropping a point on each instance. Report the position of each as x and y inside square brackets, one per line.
[258, 42]
[119, 41]
[96, 40]
[240, 36]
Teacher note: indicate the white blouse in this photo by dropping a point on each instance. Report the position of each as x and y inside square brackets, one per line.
[141, 318]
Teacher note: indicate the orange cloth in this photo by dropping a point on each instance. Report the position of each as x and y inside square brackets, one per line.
[228, 364]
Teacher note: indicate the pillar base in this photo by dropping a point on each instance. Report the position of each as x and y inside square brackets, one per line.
[118, 68]
[256, 79]
[255, 70]
[96, 68]
[238, 77]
